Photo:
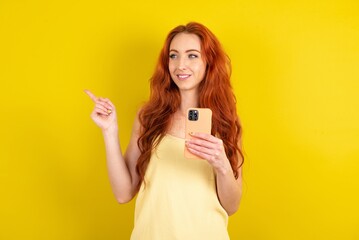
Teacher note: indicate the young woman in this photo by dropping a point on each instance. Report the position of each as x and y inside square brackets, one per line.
[179, 198]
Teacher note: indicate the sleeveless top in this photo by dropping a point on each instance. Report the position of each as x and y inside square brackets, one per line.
[178, 200]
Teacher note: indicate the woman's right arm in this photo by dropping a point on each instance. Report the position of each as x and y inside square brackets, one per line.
[121, 168]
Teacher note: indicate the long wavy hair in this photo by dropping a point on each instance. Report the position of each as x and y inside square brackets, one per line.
[215, 92]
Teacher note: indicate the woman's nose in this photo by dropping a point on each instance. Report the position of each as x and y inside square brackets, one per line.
[182, 64]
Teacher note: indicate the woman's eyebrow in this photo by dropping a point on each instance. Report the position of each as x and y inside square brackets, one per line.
[193, 50]
[189, 50]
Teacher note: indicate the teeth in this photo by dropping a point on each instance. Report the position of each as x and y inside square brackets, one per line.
[183, 76]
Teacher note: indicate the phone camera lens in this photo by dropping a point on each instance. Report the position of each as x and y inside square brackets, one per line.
[193, 115]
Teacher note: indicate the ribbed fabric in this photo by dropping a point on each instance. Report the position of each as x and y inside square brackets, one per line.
[179, 200]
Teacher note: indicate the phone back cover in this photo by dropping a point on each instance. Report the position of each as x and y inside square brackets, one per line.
[202, 125]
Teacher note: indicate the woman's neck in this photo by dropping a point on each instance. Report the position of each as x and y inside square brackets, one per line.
[189, 99]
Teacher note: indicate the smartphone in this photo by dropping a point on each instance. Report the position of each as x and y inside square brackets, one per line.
[198, 120]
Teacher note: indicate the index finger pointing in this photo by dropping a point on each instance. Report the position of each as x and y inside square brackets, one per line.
[91, 95]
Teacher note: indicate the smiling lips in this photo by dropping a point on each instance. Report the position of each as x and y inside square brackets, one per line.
[183, 76]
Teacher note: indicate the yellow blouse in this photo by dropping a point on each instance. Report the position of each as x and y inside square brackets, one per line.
[179, 199]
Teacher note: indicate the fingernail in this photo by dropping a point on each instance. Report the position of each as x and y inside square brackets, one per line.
[109, 111]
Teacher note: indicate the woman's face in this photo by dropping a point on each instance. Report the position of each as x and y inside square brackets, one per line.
[186, 65]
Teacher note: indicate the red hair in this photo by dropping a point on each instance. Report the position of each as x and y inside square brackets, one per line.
[215, 92]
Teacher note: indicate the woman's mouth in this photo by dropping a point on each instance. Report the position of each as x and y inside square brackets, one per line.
[183, 76]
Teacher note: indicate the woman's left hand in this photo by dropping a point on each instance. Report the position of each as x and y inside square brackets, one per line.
[209, 148]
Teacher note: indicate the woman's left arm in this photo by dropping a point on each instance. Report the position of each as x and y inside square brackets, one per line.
[229, 189]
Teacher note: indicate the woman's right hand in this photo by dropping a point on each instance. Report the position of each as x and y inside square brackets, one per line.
[104, 113]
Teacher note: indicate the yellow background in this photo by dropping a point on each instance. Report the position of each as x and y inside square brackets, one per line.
[295, 74]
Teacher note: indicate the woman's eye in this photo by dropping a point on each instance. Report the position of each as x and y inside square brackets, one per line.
[172, 56]
[192, 56]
